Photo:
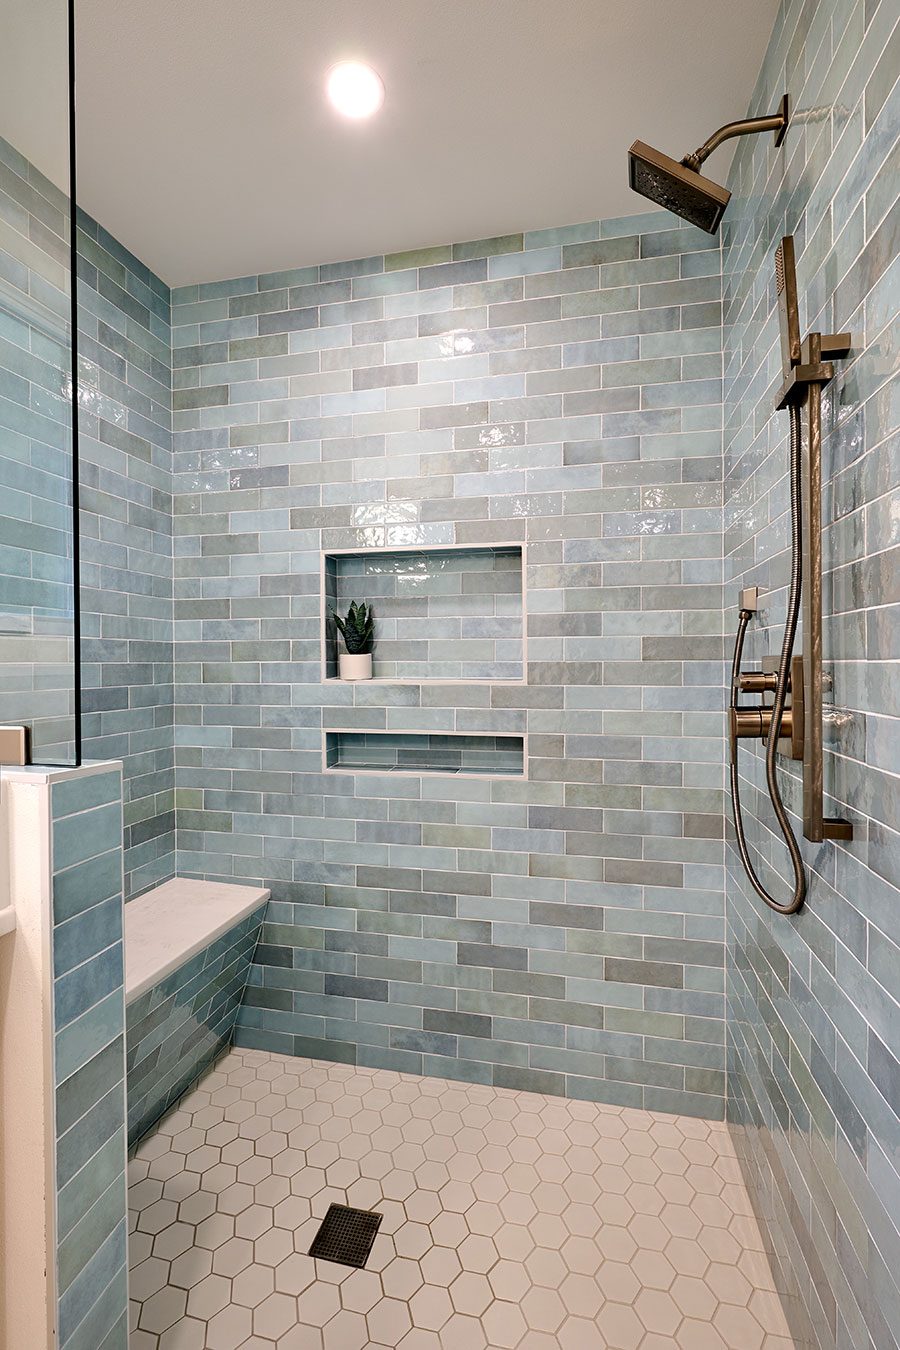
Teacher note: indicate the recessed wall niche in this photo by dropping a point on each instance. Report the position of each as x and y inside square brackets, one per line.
[440, 614]
[415, 753]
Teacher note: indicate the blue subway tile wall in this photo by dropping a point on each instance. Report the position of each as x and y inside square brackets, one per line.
[125, 496]
[812, 1001]
[125, 414]
[36, 612]
[561, 391]
[175, 1030]
[89, 1062]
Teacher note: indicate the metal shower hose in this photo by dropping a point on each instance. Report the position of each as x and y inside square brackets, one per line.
[787, 647]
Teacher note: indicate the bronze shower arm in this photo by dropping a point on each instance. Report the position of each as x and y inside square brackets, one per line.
[747, 126]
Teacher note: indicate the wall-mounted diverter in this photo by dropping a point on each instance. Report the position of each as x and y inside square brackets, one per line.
[806, 370]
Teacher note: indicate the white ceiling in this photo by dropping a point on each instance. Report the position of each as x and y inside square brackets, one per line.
[205, 143]
[34, 83]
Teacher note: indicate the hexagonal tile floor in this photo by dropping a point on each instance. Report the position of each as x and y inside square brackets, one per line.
[512, 1221]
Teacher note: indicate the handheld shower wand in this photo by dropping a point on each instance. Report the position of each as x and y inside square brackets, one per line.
[770, 725]
[805, 373]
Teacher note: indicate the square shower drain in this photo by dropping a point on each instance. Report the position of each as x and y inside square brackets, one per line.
[346, 1235]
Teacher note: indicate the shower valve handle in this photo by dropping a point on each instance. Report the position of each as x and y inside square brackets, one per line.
[755, 722]
[759, 682]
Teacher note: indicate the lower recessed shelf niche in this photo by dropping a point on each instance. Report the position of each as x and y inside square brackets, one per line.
[415, 753]
[440, 613]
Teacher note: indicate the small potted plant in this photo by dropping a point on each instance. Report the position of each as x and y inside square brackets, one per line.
[356, 630]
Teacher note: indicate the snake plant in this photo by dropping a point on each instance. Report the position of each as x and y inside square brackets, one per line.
[357, 628]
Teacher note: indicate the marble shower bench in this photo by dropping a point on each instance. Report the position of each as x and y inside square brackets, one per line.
[188, 950]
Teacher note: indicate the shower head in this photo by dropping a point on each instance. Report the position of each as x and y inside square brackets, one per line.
[679, 186]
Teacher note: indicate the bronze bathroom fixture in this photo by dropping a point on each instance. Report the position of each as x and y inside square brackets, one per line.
[807, 368]
[679, 186]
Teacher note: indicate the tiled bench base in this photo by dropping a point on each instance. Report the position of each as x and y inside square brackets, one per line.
[178, 1025]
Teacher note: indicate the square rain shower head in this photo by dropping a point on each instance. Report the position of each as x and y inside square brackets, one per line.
[679, 189]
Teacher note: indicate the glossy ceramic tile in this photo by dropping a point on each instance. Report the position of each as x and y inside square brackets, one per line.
[812, 1002]
[89, 1058]
[511, 1220]
[37, 651]
[559, 393]
[182, 1018]
[124, 432]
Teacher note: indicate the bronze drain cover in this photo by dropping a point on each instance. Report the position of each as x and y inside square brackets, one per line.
[346, 1235]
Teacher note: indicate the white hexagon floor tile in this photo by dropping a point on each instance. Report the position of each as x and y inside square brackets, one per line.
[511, 1221]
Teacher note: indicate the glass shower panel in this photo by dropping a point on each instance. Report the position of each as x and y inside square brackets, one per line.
[38, 548]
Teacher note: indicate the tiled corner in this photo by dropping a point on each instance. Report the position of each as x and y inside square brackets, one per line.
[125, 501]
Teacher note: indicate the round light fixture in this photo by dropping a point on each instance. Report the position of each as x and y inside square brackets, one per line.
[355, 89]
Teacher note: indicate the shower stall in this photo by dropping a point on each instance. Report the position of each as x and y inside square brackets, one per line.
[454, 1004]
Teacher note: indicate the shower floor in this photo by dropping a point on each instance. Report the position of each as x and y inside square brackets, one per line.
[511, 1220]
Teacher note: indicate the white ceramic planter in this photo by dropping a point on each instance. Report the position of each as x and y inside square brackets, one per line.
[355, 665]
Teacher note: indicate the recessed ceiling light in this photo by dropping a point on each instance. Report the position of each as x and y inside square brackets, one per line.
[355, 89]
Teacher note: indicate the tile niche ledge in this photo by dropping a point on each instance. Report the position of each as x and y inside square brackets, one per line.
[416, 753]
